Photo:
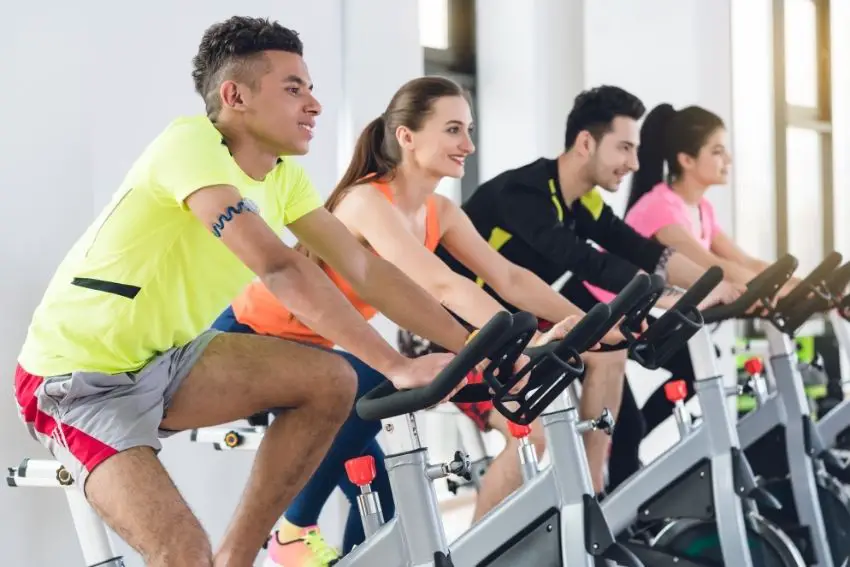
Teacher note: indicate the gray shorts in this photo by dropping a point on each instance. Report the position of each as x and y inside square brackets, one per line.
[83, 418]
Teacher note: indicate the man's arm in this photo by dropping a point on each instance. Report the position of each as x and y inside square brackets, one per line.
[610, 232]
[515, 284]
[297, 282]
[530, 215]
[389, 280]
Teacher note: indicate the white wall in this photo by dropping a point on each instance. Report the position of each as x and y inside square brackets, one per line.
[841, 123]
[83, 97]
[529, 69]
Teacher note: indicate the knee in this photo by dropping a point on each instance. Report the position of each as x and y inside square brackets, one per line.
[340, 387]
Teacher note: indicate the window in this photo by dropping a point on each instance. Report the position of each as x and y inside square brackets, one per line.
[447, 34]
[805, 201]
[803, 126]
[434, 23]
[801, 70]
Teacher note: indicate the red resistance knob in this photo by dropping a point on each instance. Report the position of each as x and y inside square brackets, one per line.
[518, 431]
[361, 471]
[754, 366]
[676, 390]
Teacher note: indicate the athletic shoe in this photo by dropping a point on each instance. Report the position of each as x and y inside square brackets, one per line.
[309, 550]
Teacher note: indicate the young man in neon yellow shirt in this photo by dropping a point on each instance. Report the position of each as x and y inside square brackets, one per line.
[118, 355]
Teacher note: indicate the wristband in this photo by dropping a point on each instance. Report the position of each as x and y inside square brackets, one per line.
[471, 336]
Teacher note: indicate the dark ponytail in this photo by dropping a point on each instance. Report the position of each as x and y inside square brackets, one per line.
[377, 153]
[651, 153]
[665, 134]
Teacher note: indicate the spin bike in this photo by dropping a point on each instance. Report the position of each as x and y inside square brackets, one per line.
[834, 427]
[533, 526]
[554, 519]
[704, 483]
[780, 438]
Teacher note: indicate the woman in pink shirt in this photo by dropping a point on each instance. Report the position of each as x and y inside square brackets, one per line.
[673, 209]
[682, 154]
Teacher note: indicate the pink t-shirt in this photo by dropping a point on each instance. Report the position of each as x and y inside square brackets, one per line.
[662, 207]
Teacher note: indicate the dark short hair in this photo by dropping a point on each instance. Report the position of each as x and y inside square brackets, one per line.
[594, 110]
[233, 49]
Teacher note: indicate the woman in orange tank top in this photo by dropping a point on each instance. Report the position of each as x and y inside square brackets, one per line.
[387, 199]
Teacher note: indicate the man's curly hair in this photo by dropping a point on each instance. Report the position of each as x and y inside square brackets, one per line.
[594, 110]
[233, 49]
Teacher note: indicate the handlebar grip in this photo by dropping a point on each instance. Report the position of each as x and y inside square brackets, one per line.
[795, 308]
[763, 287]
[591, 325]
[630, 295]
[839, 280]
[701, 288]
[820, 274]
[385, 401]
[550, 370]
[473, 393]
[676, 326]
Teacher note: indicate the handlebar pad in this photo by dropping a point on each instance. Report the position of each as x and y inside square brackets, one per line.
[839, 280]
[472, 393]
[550, 370]
[385, 401]
[701, 288]
[761, 288]
[821, 273]
[628, 298]
[676, 326]
[795, 308]
[632, 303]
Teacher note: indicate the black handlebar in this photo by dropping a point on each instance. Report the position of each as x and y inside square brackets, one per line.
[554, 366]
[838, 281]
[550, 369]
[761, 290]
[633, 303]
[675, 327]
[385, 401]
[810, 296]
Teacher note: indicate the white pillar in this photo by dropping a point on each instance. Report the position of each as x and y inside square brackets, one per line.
[753, 171]
[379, 55]
[530, 66]
[841, 123]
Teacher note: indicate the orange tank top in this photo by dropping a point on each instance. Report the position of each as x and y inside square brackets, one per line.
[258, 308]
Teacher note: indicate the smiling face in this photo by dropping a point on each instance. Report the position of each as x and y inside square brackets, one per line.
[277, 104]
[443, 141]
[614, 156]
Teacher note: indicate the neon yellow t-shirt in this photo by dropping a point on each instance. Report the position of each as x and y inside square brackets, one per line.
[147, 275]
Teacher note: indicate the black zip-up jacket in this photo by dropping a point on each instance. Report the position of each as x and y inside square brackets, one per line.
[522, 214]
